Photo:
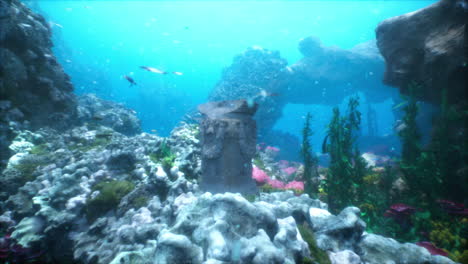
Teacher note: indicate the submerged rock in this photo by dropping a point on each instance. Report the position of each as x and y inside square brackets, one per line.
[428, 47]
[377, 249]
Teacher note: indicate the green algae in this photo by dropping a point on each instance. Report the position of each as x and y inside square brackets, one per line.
[139, 201]
[164, 156]
[40, 149]
[317, 255]
[109, 197]
[84, 146]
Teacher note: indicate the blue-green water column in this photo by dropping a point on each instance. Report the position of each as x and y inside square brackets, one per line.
[228, 137]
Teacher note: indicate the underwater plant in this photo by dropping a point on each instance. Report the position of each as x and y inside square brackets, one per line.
[164, 156]
[437, 171]
[347, 168]
[310, 161]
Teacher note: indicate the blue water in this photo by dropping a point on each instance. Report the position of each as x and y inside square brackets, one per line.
[100, 41]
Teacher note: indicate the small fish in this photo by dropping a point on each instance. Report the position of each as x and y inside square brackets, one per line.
[400, 105]
[53, 24]
[264, 93]
[24, 25]
[154, 70]
[178, 73]
[400, 126]
[98, 117]
[130, 80]
[154, 131]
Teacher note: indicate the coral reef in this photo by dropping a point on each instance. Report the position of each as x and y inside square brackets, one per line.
[154, 215]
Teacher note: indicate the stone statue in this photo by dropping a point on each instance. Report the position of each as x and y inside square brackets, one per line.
[228, 135]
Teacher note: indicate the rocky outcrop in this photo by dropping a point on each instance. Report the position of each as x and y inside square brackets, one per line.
[429, 47]
[34, 90]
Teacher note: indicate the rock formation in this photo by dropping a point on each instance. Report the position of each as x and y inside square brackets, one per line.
[34, 90]
[429, 47]
[326, 75]
[228, 135]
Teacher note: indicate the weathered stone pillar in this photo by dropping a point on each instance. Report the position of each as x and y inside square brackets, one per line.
[228, 135]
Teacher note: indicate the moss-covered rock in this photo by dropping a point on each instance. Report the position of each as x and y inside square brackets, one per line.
[27, 166]
[139, 201]
[85, 146]
[317, 255]
[110, 194]
[40, 149]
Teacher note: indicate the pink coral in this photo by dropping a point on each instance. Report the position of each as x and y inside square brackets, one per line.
[274, 149]
[289, 170]
[276, 184]
[297, 185]
[259, 175]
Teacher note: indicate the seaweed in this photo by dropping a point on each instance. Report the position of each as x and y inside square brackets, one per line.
[164, 156]
[347, 168]
[310, 160]
[317, 255]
